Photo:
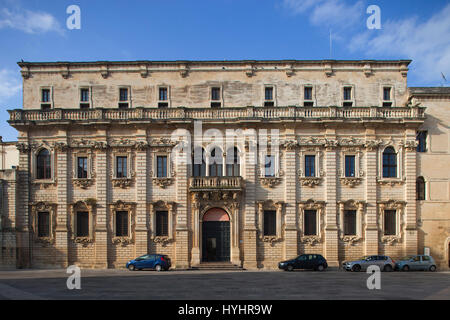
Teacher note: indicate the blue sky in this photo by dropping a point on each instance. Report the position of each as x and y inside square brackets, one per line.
[220, 29]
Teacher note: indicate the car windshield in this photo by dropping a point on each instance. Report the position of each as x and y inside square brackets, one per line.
[364, 258]
[407, 257]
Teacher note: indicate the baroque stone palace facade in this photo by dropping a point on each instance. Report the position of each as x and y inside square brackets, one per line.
[102, 177]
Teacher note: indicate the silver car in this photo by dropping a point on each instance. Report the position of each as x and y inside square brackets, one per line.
[385, 263]
[419, 262]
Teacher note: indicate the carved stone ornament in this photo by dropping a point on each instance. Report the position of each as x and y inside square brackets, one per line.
[409, 145]
[311, 240]
[390, 182]
[351, 240]
[289, 144]
[351, 181]
[310, 182]
[23, 147]
[122, 182]
[164, 240]
[124, 241]
[83, 143]
[372, 144]
[312, 141]
[271, 239]
[83, 183]
[163, 182]
[391, 240]
[270, 182]
[85, 241]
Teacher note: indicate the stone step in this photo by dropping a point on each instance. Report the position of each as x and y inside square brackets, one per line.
[217, 266]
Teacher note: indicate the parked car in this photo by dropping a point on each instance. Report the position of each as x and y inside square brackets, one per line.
[385, 263]
[150, 261]
[305, 261]
[419, 262]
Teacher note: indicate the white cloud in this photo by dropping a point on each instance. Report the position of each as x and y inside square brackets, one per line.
[335, 14]
[10, 84]
[29, 21]
[426, 43]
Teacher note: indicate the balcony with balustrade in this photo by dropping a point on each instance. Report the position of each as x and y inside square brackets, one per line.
[216, 183]
[20, 117]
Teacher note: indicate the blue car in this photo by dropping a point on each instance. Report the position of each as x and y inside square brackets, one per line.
[157, 262]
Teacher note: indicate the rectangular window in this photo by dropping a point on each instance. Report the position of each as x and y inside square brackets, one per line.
[123, 94]
[268, 93]
[82, 172]
[269, 166]
[161, 164]
[386, 93]
[162, 226]
[45, 95]
[421, 138]
[84, 95]
[121, 223]
[121, 167]
[43, 224]
[310, 223]
[349, 166]
[310, 166]
[82, 224]
[308, 93]
[270, 220]
[215, 94]
[163, 94]
[347, 93]
[390, 223]
[350, 222]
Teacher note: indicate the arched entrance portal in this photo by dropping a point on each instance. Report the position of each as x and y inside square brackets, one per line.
[215, 235]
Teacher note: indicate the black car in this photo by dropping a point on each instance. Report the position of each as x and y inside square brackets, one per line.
[305, 261]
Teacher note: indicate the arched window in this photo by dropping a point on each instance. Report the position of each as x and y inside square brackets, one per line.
[420, 188]
[389, 163]
[198, 163]
[43, 165]
[215, 163]
[233, 163]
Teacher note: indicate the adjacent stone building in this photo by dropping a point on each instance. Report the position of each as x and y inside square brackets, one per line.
[120, 159]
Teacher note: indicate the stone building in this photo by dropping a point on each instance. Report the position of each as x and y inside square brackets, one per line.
[120, 159]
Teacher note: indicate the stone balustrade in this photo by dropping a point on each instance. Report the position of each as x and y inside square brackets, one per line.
[207, 114]
[209, 183]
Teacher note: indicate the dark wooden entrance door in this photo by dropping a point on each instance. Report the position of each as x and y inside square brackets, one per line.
[215, 241]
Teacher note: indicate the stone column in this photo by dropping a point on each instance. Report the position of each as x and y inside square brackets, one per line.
[235, 252]
[195, 207]
[290, 229]
[182, 244]
[331, 228]
[371, 221]
[101, 228]
[62, 176]
[411, 232]
[250, 231]
[141, 198]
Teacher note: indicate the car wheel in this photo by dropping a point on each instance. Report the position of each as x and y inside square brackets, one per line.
[356, 268]
[432, 268]
[405, 268]
[131, 267]
[388, 268]
[320, 267]
[158, 267]
[290, 268]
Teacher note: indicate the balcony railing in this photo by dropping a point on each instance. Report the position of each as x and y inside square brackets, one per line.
[182, 114]
[219, 183]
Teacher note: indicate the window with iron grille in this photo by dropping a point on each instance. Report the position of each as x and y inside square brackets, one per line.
[45, 95]
[82, 224]
[84, 95]
[421, 138]
[270, 222]
[161, 163]
[43, 224]
[390, 222]
[420, 188]
[121, 223]
[389, 163]
[43, 165]
[162, 227]
[310, 166]
[310, 222]
[163, 94]
[82, 168]
[121, 167]
[349, 166]
[350, 222]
